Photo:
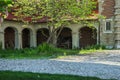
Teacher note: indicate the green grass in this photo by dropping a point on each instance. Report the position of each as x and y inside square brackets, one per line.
[31, 53]
[45, 51]
[9, 75]
[85, 51]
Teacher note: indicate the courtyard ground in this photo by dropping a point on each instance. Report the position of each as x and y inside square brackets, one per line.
[104, 65]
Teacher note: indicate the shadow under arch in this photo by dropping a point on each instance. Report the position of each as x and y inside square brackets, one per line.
[26, 38]
[42, 35]
[64, 39]
[87, 37]
[10, 37]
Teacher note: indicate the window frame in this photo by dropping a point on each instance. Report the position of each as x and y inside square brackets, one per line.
[108, 26]
[111, 25]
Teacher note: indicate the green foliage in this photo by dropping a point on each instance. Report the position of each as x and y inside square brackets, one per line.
[47, 51]
[43, 50]
[0, 45]
[9, 75]
[96, 47]
[4, 6]
[92, 49]
[58, 12]
[10, 53]
[47, 48]
[5, 2]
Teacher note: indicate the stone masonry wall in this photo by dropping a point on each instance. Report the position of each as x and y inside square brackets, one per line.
[117, 24]
[108, 8]
[108, 11]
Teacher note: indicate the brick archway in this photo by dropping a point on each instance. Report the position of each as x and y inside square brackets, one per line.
[9, 37]
[88, 37]
[25, 38]
[42, 35]
[64, 40]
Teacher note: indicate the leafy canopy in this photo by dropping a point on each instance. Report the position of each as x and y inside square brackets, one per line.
[55, 12]
[4, 4]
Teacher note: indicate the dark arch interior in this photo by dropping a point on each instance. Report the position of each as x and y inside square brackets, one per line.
[88, 37]
[26, 38]
[42, 35]
[65, 38]
[9, 35]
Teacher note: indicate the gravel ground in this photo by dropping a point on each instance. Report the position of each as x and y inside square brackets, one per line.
[103, 64]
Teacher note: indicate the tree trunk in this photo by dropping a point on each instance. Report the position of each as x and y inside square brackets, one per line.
[52, 38]
[54, 34]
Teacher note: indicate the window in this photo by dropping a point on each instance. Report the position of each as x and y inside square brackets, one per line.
[108, 26]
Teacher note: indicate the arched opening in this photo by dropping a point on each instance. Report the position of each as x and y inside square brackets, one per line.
[9, 38]
[25, 38]
[42, 35]
[64, 39]
[88, 37]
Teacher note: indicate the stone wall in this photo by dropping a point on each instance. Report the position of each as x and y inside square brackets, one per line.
[117, 24]
[107, 9]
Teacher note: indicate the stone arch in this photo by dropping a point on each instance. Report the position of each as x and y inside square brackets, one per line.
[88, 36]
[10, 37]
[64, 39]
[26, 37]
[42, 35]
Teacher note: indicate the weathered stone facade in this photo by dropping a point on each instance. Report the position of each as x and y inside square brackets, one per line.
[107, 30]
[111, 10]
[18, 28]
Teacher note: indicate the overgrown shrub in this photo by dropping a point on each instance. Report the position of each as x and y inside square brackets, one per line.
[96, 47]
[47, 48]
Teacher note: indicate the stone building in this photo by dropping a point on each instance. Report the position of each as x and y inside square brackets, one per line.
[15, 34]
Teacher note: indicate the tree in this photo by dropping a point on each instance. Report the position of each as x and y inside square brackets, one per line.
[4, 4]
[57, 13]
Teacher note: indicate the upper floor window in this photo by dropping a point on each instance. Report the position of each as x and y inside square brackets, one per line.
[108, 26]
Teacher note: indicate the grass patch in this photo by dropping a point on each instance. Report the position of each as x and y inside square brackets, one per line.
[45, 51]
[91, 49]
[9, 75]
[84, 51]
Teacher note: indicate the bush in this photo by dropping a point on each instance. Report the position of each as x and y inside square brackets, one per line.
[96, 47]
[47, 48]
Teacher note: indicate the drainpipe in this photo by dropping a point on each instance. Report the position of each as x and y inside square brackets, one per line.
[99, 32]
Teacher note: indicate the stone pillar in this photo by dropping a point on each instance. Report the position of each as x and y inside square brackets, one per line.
[117, 24]
[100, 2]
[75, 39]
[33, 40]
[19, 40]
[2, 39]
[1, 34]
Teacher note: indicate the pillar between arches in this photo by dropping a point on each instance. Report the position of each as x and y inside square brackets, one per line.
[75, 40]
[2, 40]
[34, 40]
[19, 41]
